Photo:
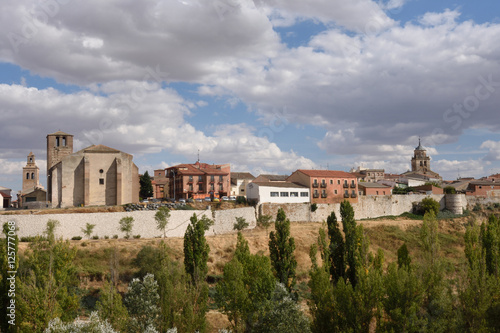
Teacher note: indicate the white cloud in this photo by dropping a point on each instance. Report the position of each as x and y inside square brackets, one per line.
[493, 150]
[452, 169]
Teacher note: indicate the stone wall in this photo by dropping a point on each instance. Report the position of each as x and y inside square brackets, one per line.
[107, 224]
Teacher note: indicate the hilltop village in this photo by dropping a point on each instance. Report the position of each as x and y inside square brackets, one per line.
[99, 175]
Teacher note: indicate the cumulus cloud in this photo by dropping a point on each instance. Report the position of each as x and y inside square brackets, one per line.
[493, 150]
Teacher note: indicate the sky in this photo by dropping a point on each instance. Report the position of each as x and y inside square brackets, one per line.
[269, 86]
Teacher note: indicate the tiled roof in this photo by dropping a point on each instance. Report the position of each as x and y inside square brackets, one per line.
[5, 195]
[276, 178]
[327, 173]
[242, 175]
[372, 185]
[205, 169]
[280, 184]
[100, 149]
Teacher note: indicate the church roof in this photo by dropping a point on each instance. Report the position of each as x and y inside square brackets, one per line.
[419, 146]
[100, 149]
[60, 133]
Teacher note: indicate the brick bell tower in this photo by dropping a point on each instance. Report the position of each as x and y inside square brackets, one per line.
[420, 161]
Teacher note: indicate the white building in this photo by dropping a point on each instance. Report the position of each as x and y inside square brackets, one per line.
[277, 192]
[5, 197]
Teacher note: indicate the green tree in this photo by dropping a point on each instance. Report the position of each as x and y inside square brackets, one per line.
[351, 241]
[93, 325]
[47, 283]
[248, 283]
[281, 248]
[265, 221]
[161, 218]
[146, 190]
[110, 307]
[490, 233]
[450, 190]
[126, 224]
[337, 249]
[142, 302]
[404, 259]
[429, 204]
[241, 223]
[196, 249]
[87, 231]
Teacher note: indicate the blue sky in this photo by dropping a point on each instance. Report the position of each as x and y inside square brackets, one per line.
[268, 86]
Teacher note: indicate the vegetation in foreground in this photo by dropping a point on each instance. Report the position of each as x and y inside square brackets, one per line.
[414, 280]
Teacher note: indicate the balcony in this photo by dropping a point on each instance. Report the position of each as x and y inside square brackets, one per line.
[346, 195]
[346, 185]
[315, 195]
[324, 195]
[323, 185]
[353, 185]
[315, 185]
[353, 195]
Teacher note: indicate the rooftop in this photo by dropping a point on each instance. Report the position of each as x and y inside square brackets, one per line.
[327, 173]
[280, 184]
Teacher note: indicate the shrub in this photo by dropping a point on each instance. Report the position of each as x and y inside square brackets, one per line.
[106, 237]
[76, 238]
[126, 224]
[137, 236]
[115, 236]
[241, 200]
[314, 207]
[264, 221]
[240, 224]
[95, 237]
[428, 205]
[450, 190]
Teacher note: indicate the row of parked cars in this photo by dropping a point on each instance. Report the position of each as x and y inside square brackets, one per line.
[206, 199]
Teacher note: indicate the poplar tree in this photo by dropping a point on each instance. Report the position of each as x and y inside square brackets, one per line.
[337, 248]
[281, 248]
[196, 249]
[351, 244]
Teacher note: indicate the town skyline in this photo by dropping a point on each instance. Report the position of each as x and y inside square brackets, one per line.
[268, 86]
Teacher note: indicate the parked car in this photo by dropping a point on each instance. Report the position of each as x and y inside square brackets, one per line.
[190, 200]
[225, 198]
[182, 200]
[208, 199]
[216, 200]
[198, 200]
[232, 198]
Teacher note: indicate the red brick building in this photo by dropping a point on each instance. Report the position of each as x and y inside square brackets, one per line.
[367, 188]
[199, 180]
[160, 184]
[327, 186]
[484, 188]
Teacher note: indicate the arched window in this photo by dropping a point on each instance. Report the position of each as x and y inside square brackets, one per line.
[64, 141]
[421, 164]
[28, 175]
[32, 175]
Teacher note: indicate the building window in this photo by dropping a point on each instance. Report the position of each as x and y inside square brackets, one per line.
[212, 187]
[191, 187]
[315, 182]
[294, 194]
[64, 141]
[212, 178]
[101, 181]
[57, 141]
[190, 178]
[32, 175]
[336, 192]
[275, 194]
[304, 194]
[241, 189]
[377, 192]
[28, 175]
[331, 181]
[200, 178]
[200, 187]
[283, 194]
[31, 159]
[338, 181]
[220, 178]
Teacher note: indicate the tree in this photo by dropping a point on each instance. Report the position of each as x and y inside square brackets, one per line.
[351, 241]
[404, 260]
[248, 282]
[161, 217]
[265, 221]
[48, 282]
[126, 224]
[281, 248]
[337, 249]
[142, 302]
[240, 224]
[110, 307]
[429, 204]
[450, 190]
[196, 249]
[146, 190]
[94, 325]
[87, 231]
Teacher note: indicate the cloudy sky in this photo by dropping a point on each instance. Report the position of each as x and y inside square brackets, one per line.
[266, 85]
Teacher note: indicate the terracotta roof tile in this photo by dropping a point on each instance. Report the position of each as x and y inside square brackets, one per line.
[327, 173]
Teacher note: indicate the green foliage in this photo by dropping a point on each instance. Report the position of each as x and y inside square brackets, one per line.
[314, 207]
[336, 249]
[429, 204]
[87, 231]
[450, 190]
[111, 308]
[46, 288]
[240, 224]
[142, 302]
[265, 221]
[281, 248]
[196, 249]
[248, 282]
[321, 303]
[241, 200]
[351, 241]
[126, 224]
[404, 260]
[436, 184]
[490, 236]
[281, 314]
[76, 238]
[146, 190]
[94, 325]
[161, 218]
[429, 236]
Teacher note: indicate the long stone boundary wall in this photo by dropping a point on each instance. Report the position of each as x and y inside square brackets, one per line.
[107, 224]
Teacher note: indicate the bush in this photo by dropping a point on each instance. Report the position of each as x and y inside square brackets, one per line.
[314, 207]
[137, 236]
[95, 237]
[76, 238]
[240, 224]
[115, 236]
[450, 190]
[429, 204]
[241, 200]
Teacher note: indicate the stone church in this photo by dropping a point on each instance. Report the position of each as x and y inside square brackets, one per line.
[96, 175]
[421, 165]
[33, 195]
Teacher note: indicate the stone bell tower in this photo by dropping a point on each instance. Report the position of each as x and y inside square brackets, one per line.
[31, 174]
[59, 145]
[420, 162]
